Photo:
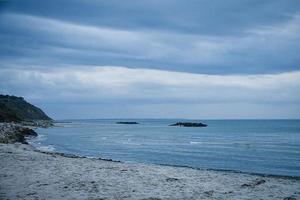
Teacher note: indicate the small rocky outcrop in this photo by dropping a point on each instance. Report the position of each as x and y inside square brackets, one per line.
[189, 124]
[12, 133]
[28, 132]
[127, 123]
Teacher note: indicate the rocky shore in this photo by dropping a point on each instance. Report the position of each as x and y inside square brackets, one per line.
[18, 118]
[12, 133]
[18, 132]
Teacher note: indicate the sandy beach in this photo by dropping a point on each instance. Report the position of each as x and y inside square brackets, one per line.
[30, 174]
[149, 100]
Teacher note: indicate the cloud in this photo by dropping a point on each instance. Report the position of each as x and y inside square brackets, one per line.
[195, 16]
[260, 49]
[175, 58]
[121, 84]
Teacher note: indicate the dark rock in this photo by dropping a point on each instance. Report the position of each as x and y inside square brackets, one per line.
[31, 193]
[257, 182]
[127, 123]
[11, 133]
[209, 193]
[189, 124]
[28, 132]
[290, 198]
[171, 179]
[110, 160]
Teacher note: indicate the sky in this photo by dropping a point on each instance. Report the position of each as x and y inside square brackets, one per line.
[198, 59]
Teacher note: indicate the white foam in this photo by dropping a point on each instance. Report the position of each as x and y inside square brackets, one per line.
[50, 148]
[193, 142]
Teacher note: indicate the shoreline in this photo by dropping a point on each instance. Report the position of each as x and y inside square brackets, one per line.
[32, 125]
[29, 173]
[74, 155]
[51, 175]
[71, 155]
[170, 165]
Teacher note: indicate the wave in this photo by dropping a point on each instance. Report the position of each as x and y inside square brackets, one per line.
[48, 148]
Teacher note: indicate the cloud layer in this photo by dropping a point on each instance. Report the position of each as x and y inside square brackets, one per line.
[260, 49]
[108, 91]
[140, 58]
[121, 85]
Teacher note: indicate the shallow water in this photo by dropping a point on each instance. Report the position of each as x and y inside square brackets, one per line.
[256, 146]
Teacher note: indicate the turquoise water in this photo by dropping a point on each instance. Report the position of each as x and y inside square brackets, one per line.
[255, 146]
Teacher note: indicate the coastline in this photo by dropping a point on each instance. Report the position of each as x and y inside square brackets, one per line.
[96, 152]
[70, 155]
[30, 173]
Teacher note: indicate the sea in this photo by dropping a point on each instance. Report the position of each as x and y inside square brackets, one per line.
[270, 147]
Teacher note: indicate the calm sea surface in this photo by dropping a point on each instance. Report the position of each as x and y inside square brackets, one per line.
[258, 146]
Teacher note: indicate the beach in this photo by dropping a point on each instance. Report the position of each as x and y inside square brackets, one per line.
[27, 173]
[149, 100]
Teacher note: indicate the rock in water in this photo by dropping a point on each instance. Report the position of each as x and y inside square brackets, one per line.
[189, 124]
[127, 123]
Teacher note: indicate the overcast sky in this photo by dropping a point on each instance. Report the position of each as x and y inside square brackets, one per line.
[204, 59]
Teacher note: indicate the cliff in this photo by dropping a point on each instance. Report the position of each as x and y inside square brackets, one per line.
[16, 109]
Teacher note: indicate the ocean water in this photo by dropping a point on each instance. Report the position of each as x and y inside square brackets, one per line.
[254, 146]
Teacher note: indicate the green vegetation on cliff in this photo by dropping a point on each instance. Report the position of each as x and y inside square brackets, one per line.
[16, 109]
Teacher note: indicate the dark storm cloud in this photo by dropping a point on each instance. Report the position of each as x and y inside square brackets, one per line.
[194, 36]
[195, 16]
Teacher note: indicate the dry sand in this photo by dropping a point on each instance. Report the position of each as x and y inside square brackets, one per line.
[29, 174]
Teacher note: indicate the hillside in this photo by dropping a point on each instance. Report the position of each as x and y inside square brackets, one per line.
[15, 109]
